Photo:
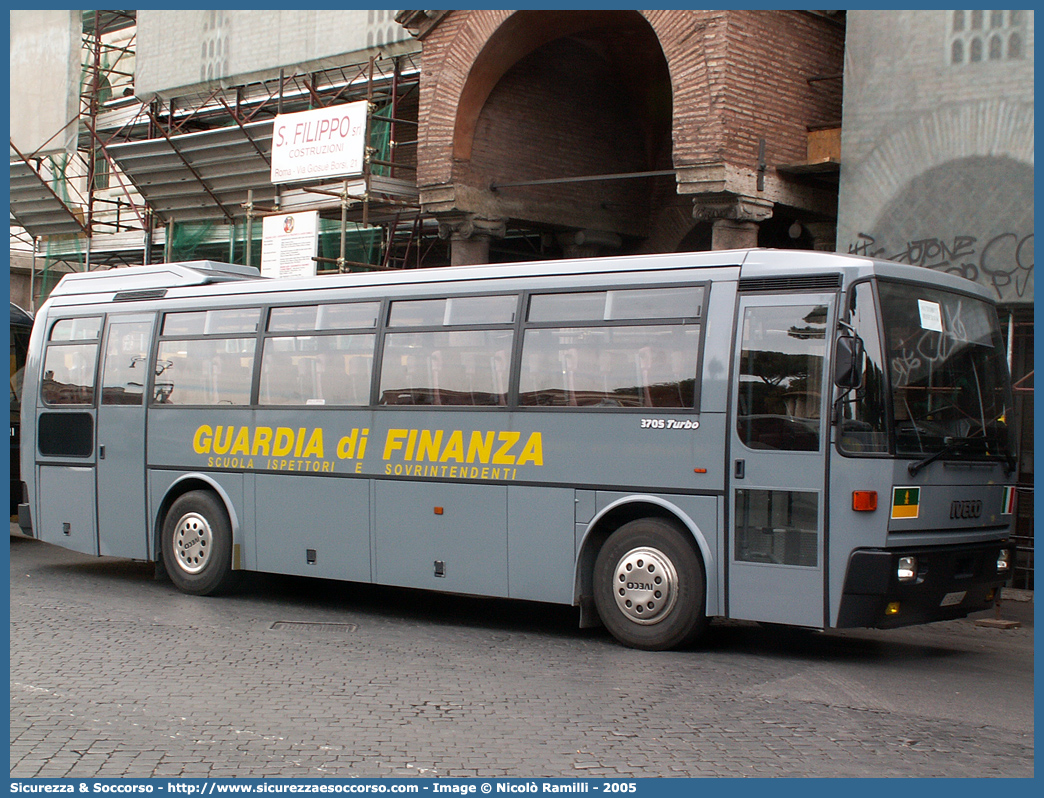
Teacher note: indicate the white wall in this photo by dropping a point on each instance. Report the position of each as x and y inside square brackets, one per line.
[45, 80]
[937, 153]
[182, 51]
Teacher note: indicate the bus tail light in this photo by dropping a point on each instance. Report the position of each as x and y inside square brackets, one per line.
[864, 501]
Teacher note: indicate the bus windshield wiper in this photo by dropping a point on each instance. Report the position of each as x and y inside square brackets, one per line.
[950, 446]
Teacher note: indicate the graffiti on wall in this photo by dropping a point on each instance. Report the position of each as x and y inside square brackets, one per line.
[1003, 263]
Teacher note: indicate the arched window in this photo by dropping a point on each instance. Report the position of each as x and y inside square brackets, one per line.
[102, 173]
[1015, 46]
[987, 36]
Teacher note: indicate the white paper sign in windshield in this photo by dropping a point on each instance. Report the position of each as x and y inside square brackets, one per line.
[931, 315]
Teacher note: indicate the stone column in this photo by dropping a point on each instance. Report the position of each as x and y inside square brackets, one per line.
[469, 237]
[734, 219]
[733, 234]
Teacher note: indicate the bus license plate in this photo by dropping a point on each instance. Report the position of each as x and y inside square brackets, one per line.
[953, 599]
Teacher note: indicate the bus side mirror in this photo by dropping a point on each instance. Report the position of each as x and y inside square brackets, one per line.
[848, 361]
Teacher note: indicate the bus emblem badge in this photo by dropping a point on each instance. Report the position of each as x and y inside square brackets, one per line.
[906, 502]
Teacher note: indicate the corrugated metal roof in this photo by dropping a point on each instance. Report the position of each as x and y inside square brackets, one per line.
[205, 176]
[107, 21]
[201, 176]
[195, 177]
[38, 209]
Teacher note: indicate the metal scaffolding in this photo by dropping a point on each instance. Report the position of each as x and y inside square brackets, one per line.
[189, 177]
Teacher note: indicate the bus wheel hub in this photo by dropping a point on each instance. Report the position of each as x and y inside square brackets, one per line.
[645, 585]
[193, 541]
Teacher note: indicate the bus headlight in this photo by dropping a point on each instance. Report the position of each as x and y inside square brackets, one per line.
[907, 571]
[1003, 560]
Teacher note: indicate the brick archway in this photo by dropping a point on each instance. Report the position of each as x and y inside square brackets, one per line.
[520, 34]
[466, 61]
[707, 90]
[536, 95]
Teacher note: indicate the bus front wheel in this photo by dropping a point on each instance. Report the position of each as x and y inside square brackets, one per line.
[649, 586]
[197, 544]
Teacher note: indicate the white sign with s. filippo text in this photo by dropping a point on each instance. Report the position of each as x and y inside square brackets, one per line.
[321, 143]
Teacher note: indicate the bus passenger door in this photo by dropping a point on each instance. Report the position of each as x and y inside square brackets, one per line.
[122, 522]
[778, 444]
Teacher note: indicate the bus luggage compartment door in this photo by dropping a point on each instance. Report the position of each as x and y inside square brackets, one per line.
[67, 508]
[442, 536]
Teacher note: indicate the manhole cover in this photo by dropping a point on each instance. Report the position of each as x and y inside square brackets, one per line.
[315, 626]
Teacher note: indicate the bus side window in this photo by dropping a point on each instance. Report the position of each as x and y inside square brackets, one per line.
[360, 369]
[68, 375]
[280, 378]
[124, 372]
[445, 368]
[610, 366]
[344, 379]
[781, 373]
[205, 371]
[317, 369]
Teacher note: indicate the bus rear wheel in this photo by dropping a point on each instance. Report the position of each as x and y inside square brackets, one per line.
[197, 544]
[649, 586]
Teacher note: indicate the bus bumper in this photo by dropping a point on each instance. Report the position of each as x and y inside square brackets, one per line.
[950, 582]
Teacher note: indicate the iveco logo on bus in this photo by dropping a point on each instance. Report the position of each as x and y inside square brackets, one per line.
[966, 508]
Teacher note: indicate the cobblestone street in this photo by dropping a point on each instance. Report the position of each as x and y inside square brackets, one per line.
[116, 674]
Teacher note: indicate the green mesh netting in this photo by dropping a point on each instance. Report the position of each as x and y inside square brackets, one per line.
[380, 139]
[197, 241]
[211, 241]
[361, 244]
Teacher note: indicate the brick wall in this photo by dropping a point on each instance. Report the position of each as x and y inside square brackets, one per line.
[771, 56]
[516, 95]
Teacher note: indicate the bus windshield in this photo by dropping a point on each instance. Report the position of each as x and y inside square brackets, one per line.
[950, 393]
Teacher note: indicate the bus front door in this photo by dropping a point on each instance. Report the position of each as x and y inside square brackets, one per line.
[122, 523]
[778, 448]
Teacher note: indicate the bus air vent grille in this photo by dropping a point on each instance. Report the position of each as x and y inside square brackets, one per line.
[796, 282]
[146, 293]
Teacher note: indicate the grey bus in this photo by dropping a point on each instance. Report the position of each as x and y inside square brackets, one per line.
[786, 437]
